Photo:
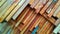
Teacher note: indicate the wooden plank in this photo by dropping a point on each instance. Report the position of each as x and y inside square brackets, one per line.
[9, 10]
[57, 11]
[41, 24]
[27, 16]
[21, 27]
[39, 7]
[45, 28]
[15, 10]
[57, 22]
[34, 25]
[50, 29]
[52, 20]
[58, 14]
[31, 1]
[50, 7]
[46, 6]
[20, 9]
[22, 13]
[16, 31]
[54, 8]
[22, 18]
[29, 23]
[34, 3]
[4, 8]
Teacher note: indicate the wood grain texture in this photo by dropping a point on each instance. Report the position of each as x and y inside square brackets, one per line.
[8, 11]
[54, 8]
[52, 20]
[31, 1]
[50, 29]
[21, 28]
[15, 10]
[32, 27]
[42, 3]
[28, 29]
[46, 6]
[50, 7]
[41, 24]
[45, 28]
[32, 18]
[34, 3]
[21, 18]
